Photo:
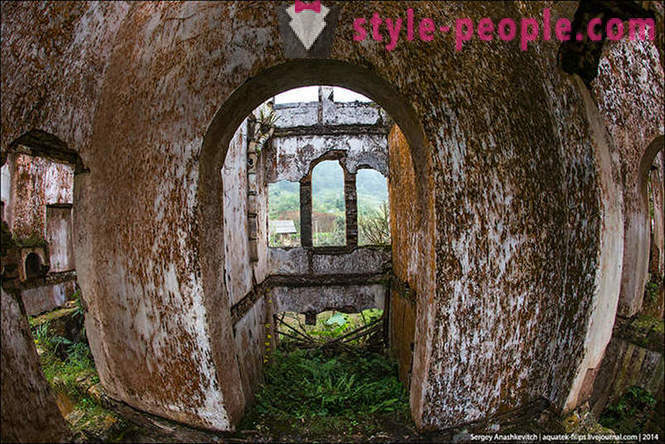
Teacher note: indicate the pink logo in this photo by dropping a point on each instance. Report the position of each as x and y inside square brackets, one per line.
[312, 6]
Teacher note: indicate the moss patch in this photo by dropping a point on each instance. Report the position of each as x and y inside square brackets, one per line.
[645, 331]
[648, 323]
[51, 316]
[32, 241]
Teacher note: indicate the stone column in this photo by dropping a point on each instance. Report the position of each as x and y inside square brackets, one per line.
[351, 199]
[252, 192]
[306, 212]
[657, 255]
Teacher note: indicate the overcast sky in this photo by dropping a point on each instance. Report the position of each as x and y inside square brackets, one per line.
[311, 94]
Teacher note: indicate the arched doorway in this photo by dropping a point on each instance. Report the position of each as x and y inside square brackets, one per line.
[215, 145]
[637, 236]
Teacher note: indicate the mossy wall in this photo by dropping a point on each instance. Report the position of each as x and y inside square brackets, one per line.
[501, 244]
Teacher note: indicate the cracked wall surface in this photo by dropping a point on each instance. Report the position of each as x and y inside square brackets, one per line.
[508, 227]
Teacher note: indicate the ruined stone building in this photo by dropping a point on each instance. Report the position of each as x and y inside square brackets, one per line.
[525, 193]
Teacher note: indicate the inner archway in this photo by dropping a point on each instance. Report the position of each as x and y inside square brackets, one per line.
[211, 190]
[637, 236]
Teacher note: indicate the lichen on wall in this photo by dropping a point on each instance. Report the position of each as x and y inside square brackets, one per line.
[35, 183]
[404, 225]
[243, 275]
[29, 410]
[237, 270]
[629, 91]
[306, 131]
[504, 223]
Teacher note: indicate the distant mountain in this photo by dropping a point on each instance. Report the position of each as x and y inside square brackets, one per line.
[328, 191]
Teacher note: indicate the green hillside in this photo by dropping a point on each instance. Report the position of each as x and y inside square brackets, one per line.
[328, 192]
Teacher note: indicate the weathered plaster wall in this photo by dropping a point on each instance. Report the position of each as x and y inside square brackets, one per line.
[238, 268]
[5, 185]
[326, 111]
[63, 52]
[402, 328]
[251, 335]
[312, 262]
[306, 131]
[629, 91]
[43, 298]
[290, 156]
[241, 274]
[654, 303]
[608, 258]
[517, 232]
[311, 280]
[262, 265]
[507, 275]
[317, 299]
[58, 183]
[35, 183]
[404, 225]
[657, 244]
[59, 234]
[29, 411]
[38, 188]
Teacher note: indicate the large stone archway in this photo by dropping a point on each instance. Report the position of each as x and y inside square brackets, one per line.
[637, 235]
[507, 275]
[215, 144]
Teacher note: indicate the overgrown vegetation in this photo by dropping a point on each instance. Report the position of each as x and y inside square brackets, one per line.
[647, 324]
[331, 327]
[632, 413]
[64, 362]
[652, 288]
[70, 370]
[308, 383]
[309, 394]
[321, 392]
[32, 241]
